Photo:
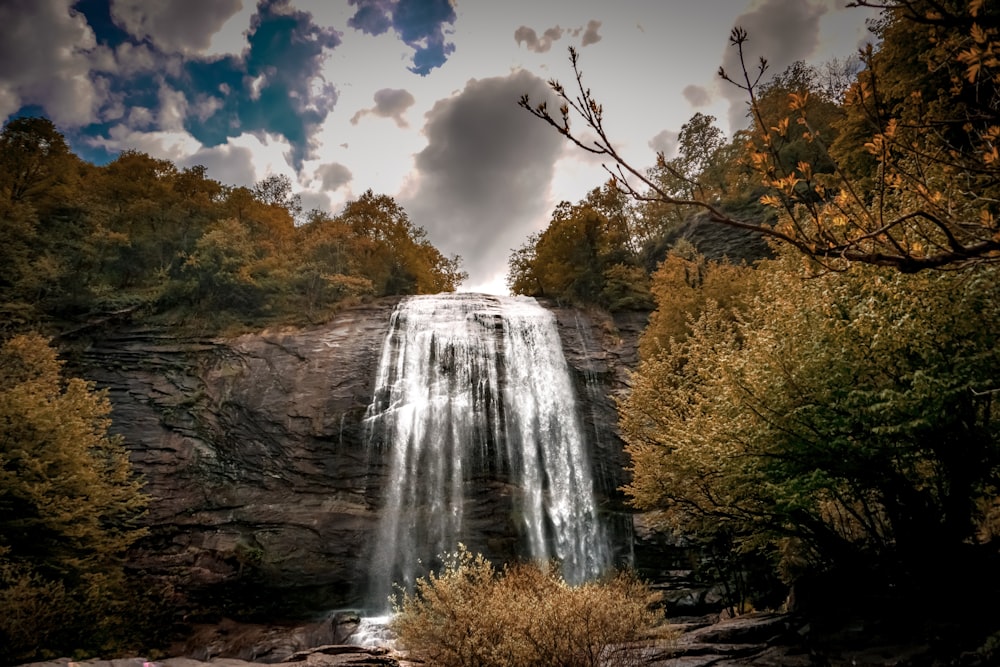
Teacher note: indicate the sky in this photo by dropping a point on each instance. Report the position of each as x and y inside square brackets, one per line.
[416, 99]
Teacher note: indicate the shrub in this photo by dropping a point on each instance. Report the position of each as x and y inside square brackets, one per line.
[525, 615]
[70, 507]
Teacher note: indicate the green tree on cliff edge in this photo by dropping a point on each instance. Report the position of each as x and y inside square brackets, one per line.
[69, 503]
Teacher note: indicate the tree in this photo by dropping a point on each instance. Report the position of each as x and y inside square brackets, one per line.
[276, 190]
[147, 216]
[683, 286]
[586, 255]
[221, 271]
[842, 422]
[38, 220]
[926, 110]
[394, 253]
[69, 507]
[522, 276]
[34, 160]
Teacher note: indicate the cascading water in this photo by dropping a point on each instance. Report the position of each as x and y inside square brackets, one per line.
[473, 393]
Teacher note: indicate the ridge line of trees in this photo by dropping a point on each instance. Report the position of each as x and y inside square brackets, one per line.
[139, 233]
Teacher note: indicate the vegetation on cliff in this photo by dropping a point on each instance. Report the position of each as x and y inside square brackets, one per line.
[827, 409]
[69, 510]
[81, 241]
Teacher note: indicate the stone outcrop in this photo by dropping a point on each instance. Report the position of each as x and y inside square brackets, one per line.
[254, 450]
[253, 453]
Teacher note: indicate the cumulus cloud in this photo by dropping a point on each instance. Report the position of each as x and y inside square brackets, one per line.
[46, 57]
[531, 40]
[527, 36]
[782, 31]
[186, 31]
[590, 34]
[140, 118]
[482, 181]
[274, 87]
[420, 24]
[228, 164]
[697, 96]
[87, 64]
[177, 146]
[665, 142]
[373, 17]
[315, 201]
[132, 59]
[172, 110]
[389, 103]
[333, 175]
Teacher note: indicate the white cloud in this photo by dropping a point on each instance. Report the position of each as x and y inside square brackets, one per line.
[187, 29]
[45, 59]
[389, 103]
[173, 109]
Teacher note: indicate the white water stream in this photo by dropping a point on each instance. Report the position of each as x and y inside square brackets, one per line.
[473, 388]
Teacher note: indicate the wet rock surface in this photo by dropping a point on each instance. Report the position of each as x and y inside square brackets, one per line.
[253, 449]
[253, 453]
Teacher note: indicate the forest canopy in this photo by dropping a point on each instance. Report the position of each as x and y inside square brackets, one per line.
[140, 235]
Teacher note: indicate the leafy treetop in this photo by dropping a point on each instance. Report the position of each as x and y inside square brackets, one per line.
[910, 178]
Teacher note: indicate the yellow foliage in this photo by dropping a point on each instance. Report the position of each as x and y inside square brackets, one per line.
[70, 505]
[525, 615]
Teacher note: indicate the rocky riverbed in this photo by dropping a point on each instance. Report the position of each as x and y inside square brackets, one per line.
[763, 639]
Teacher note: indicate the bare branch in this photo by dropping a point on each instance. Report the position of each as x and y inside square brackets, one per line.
[901, 219]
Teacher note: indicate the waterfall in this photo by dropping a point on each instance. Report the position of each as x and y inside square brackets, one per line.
[473, 396]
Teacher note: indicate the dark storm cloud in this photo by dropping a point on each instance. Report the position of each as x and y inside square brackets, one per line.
[421, 24]
[782, 31]
[483, 179]
[389, 103]
[187, 31]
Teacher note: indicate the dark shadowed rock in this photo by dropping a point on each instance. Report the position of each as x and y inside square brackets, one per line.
[253, 453]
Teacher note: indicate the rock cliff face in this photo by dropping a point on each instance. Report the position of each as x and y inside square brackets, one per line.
[253, 450]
